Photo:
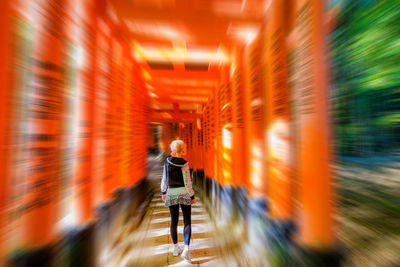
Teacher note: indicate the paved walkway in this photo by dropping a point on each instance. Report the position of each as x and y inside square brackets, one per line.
[151, 244]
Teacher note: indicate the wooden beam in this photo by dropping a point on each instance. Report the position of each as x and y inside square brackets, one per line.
[181, 99]
[176, 115]
[179, 13]
[164, 120]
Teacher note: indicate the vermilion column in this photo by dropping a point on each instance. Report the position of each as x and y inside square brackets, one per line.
[254, 108]
[110, 114]
[5, 13]
[239, 121]
[18, 24]
[212, 139]
[225, 127]
[43, 124]
[277, 114]
[118, 105]
[196, 148]
[127, 153]
[135, 128]
[161, 138]
[101, 106]
[187, 139]
[185, 133]
[193, 147]
[180, 131]
[150, 139]
[200, 146]
[190, 144]
[217, 136]
[142, 125]
[82, 32]
[309, 82]
[167, 132]
[206, 142]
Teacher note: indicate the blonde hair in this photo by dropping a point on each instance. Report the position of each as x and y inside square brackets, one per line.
[177, 146]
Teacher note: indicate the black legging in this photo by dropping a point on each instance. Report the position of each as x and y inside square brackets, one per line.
[187, 232]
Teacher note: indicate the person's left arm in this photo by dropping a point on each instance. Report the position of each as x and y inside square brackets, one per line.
[188, 181]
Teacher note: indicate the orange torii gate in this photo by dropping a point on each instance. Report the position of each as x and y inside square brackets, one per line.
[72, 54]
[277, 126]
[5, 92]
[309, 79]
[292, 140]
[264, 127]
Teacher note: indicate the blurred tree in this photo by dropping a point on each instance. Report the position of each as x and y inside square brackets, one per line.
[365, 57]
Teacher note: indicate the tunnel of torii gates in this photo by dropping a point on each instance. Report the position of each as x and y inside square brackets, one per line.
[80, 97]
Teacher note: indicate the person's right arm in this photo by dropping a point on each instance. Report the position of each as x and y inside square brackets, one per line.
[164, 184]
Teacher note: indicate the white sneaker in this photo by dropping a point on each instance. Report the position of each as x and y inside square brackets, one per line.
[177, 251]
[186, 255]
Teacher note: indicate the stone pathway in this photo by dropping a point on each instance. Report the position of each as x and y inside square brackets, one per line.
[151, 245]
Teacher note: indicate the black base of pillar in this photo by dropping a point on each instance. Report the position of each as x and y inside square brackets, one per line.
[43, 256]
[78, 248]
[279, 236]
[256, 219]
[306, 257]
[280, 231]
[208, 185]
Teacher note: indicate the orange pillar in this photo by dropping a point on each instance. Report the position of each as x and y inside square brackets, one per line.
[190, 144]
[161, 138]
[101, 107]
[207, 142]
[19, 44]
[43, 122]
[240, 121]
[225, 128]
[118, 105]
[309, 81]
[196, 153]
[216, 139]
[5, 98]
[254, 108]
[143, 100]
[135, 125]
[194, 148]
[213, 141]
[180, 131]
[200, 146]
[206, 125]
[184, 134]
[126, 128]
[277, 115]
[150, 138]
[82, 32]
[109, 126]
[218, 135]
[166, 137]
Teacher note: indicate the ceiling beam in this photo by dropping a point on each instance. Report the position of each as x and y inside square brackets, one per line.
[161, 91]
[197, 75]
[172, 116]
[164, 120]
[181, 99]
[126, 9]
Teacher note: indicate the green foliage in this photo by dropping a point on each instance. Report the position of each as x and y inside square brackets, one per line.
[365, 53]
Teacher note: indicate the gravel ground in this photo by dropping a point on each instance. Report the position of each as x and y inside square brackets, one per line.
[369, 210]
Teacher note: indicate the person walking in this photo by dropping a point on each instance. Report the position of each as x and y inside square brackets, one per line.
[176, 189]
